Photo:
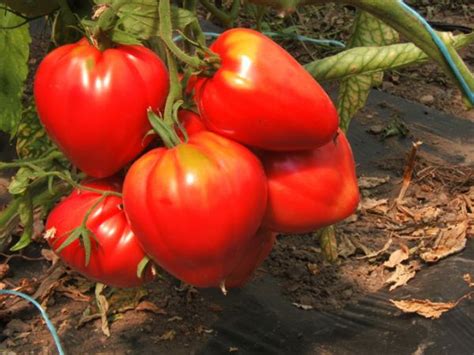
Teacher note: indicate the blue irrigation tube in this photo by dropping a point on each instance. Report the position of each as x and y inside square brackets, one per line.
[320, 42]
[43, 314]
[444, 51]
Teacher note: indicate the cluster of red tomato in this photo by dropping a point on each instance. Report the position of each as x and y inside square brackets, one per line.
[264, 155]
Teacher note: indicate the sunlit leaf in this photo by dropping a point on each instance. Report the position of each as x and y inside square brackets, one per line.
[14, 46]
[353, 92]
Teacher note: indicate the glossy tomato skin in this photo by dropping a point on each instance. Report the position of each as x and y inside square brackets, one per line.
[310, 189]
[197, 206]
[191, 122]
[93, 103]
[255, 255]
[262, 97]
[115, 259]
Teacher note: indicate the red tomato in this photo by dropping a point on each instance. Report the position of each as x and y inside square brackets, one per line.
[310, 189]
[253, 258]
[114, 259]
[93, 104]
[261, 96]
[191, 122]
[196, 207]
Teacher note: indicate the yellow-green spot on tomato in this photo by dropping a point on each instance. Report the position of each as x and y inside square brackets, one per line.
[90, 64]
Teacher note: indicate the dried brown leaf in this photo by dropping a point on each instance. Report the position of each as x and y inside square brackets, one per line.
[168, 336]
[345, 247]
[233, 349]
[374, 205]
[366, 250]
[73, 293]
[402, 275]
[369, 182]
[427, 214]
[425, 308]
[103, 306]
[147, 306]
[50, 255]
[451, 240]
[397, 257]
[378, 252]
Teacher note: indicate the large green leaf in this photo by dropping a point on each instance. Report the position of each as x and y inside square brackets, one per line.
[353, 92]
[365, 60]
[14, 49]
[140, 18]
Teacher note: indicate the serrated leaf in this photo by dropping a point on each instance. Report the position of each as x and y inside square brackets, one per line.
[31, 138]
[25, 211]
[13, 69]
[370, 59]
[74, 235]
[353, 92]
[140, 19]
[20, 181]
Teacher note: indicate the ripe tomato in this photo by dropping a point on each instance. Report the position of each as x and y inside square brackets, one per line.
[196, 207]
[310, 189]
[191, 122]
[261, 96]
[93, 104]
[256, 253]
[116, 254]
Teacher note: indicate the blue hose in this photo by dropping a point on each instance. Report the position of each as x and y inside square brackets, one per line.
[320, 42]
[43, 314]
[444, 51]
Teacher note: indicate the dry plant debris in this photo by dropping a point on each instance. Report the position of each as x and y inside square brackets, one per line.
[430, 309]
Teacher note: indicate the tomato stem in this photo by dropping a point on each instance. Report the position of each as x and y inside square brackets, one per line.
[166, 28]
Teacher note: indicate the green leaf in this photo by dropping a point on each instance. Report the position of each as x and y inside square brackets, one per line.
[25, 211]
[353, 92]
[20, 181]
[31, 138]
[365, 60]
[14, 46]
[140, 19]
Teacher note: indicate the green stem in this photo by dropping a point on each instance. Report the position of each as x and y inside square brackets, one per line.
[21, 163]
[223, 17]
[194, 27]
[69, 17]
[234, 10]
[166, 28]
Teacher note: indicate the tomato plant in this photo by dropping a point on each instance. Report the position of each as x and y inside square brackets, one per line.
[310, 189]
[114, 249]
[266, 103]
[196, 207]
[93, 103]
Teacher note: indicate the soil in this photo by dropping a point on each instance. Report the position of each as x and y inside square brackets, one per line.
[168, 317]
